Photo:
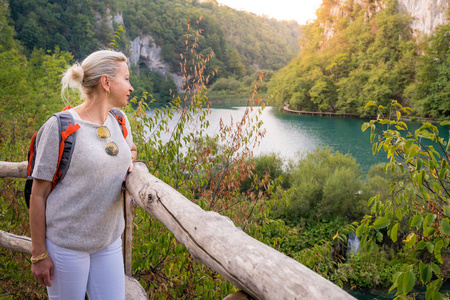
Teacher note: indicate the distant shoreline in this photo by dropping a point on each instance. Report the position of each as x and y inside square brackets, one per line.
[286, 109]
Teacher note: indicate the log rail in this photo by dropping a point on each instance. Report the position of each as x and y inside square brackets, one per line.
[212, 239]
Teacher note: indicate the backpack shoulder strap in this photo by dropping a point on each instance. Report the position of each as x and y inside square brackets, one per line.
[121, 119]
[31, 154]
[67, 143]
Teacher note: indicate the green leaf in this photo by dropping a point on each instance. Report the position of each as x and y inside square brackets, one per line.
[428, 231]
[437, 250]
[444, 123]
[419, 163]
[421, 245]
[447, 210]
[364, 126]
[421, 177]
[410, 240]
[394, 231]
[445, 226]
[405, 283]
[369, 104]
[436, 269]
[435, 295]
[430, 247]
[416, 221]
[379, 237]
[394, 281]
[425, 273]
[382, 222]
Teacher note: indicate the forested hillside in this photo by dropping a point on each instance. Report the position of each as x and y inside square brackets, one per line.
[242, 42]
[367, 53]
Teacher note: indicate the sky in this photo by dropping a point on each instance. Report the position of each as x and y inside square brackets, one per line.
[298, 10]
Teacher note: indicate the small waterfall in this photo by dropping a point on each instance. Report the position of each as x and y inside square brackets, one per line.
[352, 245]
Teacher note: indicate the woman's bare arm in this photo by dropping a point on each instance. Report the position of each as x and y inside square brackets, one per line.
[42, 270]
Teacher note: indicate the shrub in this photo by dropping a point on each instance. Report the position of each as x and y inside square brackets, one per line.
[226, 84]
[326, 184]
[266, 165]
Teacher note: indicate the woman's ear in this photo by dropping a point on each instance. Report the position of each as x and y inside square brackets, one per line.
[106, 82]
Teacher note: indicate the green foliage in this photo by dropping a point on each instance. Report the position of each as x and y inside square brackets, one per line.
[432, 89]
[226, 84]
[29, 94]
[239, 40]
[418, 203]
[326, 184]
[365, 58]
[162, 89]
[266, 166]
[206, 169]
[47, 24]
[368, 270]
[7, 31]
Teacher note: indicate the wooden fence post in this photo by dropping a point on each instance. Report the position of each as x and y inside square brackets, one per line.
[127, 238]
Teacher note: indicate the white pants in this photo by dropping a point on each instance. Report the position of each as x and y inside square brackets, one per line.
[100, 273]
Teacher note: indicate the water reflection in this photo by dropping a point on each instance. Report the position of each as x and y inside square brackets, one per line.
[291, 135]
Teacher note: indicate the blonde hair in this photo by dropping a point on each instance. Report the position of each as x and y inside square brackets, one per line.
[86, 76]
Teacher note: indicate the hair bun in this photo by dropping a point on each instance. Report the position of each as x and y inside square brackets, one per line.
[76, 74]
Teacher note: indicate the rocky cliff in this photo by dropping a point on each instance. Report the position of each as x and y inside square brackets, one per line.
[145, 51]
[427, 14]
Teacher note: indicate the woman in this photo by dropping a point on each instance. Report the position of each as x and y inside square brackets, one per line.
[76, 227]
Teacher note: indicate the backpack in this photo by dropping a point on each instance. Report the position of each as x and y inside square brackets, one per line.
[67, 140]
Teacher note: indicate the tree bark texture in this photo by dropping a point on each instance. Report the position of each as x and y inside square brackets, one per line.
[213, 240]
[13, 169]
[127, 236]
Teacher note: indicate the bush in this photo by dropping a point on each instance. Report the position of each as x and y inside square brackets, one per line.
[266, 165]
[226, 84]
[327, 184]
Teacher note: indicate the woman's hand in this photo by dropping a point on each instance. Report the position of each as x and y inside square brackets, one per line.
[133, 158]
[130, 167]
[43, 271]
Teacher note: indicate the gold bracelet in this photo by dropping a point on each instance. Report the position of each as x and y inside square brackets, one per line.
[39, 258]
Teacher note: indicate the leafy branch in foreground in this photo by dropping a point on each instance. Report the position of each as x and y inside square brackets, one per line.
[208, 169]
[418, 209]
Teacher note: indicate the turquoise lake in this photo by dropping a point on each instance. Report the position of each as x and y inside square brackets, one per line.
[291, 135]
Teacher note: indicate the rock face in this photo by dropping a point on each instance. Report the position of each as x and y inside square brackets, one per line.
[118, 18]
[427, 13]
[145, 51]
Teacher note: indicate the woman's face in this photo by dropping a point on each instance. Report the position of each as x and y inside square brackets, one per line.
[120, 88]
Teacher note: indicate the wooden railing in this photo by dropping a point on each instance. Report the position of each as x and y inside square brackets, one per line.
[212, 239]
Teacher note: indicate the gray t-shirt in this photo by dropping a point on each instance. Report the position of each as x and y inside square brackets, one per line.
[84, 211]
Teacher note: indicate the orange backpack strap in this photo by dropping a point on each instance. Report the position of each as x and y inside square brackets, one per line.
[121, 119]
[31, 154]
[67, 140]
[64, 135]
